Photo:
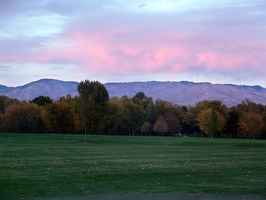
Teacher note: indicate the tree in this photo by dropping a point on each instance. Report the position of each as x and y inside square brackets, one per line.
[139, 97]
[210, 121]
[263, 131]
[2, 104]
[62, 116]
[132, 114]
[160, 126]
[189, 120]
[113, 116]
[23, 125]
[251, 123]
[146, 128]
[232, 123]
[42, 100]
[15, 113]
[5, 102]
[249, 106]
[173, 123]
[93, 97]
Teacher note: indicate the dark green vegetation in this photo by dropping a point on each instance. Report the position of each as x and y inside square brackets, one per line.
[59, 166]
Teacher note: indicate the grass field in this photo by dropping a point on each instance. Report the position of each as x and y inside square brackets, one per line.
[62, 167]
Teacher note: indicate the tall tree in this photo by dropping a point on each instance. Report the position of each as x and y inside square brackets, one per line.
[232, 123]
[93, 97]
[263, 131]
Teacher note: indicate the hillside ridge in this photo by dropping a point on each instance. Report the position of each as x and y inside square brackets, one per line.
[182, 92]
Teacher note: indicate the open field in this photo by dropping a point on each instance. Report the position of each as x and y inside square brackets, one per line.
[63, 167]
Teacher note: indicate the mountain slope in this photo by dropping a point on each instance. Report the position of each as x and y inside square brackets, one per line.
[189, 93]
[46, 87]
[183, 93]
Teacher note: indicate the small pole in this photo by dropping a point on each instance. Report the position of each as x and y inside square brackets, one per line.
[85, 140]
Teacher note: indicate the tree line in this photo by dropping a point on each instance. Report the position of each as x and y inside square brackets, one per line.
[94, 112]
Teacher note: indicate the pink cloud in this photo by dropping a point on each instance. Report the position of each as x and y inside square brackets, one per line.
[126, 50]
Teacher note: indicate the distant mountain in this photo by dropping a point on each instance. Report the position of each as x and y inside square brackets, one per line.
[46, 87]
[183, 93]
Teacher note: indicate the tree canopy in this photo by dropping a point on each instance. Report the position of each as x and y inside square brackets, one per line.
[93, 97]
[136, 115]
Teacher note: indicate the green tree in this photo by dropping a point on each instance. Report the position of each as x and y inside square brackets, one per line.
[250, 106]
[23, 125]
[42, 100]
[139, 97]
[132, 115]
[113, 116]
[146, 128]
[93, 97]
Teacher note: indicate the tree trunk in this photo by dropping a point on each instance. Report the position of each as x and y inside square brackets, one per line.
[253, 145]
[133, 132]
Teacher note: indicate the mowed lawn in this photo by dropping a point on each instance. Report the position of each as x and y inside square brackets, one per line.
[61, 166]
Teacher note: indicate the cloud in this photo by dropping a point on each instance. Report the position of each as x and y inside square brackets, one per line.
[115, 38]
[5, 68]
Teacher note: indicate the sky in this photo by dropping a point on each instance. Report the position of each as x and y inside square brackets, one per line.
[133, 40]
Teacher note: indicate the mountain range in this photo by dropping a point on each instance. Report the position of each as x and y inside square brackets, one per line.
[182, 93]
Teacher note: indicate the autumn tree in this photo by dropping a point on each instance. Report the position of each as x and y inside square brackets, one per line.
[210, 121]
[18, 113]
[61, 115]
[251, 118]
[251, 123]
[160, 127]
[173, 123]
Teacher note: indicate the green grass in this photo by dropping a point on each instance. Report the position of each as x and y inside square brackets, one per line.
[60, 166]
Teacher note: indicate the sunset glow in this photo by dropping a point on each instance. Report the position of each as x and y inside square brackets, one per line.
[121, 41]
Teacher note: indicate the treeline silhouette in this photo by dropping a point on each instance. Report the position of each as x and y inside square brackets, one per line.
[136, 116]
